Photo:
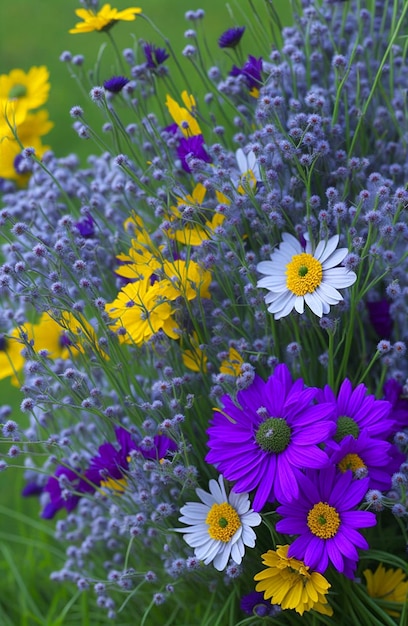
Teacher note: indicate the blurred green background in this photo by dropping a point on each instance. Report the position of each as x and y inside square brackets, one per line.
[35, 33]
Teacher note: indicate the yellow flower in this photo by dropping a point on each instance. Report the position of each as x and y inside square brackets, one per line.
[390, 585]
[232, 365]
[29, 132]
[11, 359]
[289, 583]
[29, 89]
[143, 309]
[194, 358]
[184, 116]
[186, 279]
[103, 19]
[193, 234]
[12, 115]
[143, 258]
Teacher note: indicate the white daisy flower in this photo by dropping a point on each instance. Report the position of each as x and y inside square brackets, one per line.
[219, 525]
[296, 275]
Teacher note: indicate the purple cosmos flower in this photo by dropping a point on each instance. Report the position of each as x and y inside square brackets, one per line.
[364, 456]
[356, 411]
[60, 500]
[380, 318]
[115, 84]
[154, 56]
[32, 488]
[193, 146]
[251, 70]
[271, 434]
[326, 518]
[110, 464]
[254, 603]
[393, 392]
[162, 445]
[85, 226]
[231, 37]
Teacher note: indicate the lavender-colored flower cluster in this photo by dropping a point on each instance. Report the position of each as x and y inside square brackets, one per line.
[153, 315]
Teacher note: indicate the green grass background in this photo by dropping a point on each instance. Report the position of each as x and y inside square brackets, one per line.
[35, 32]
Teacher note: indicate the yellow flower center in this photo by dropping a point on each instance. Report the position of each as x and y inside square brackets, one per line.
[323, 520]
[351, 462]
[304, 274]
[117, 485]
[223, 522]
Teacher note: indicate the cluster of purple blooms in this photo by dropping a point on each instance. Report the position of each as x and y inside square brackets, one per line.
[130, 426]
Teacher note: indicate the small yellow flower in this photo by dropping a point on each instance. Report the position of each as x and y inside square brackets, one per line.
[184, 117]
[11, 359]
[144, 257]
[186, 279]
[29, 132]
[103, 19]
[390, 585]
[193, 234]
[29, 89]
[143, 309]
[232, 365]
[194, 358]
[289, 583]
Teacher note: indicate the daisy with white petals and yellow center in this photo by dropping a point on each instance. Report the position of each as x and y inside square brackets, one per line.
[220, 526]
[296, 276]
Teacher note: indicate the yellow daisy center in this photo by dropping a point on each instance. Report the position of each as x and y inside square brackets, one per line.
[323, 520]
[304, 274]
[351, 462]
[223, 522]
[117, 485]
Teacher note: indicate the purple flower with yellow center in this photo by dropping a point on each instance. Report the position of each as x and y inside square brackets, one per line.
[61, 497]
[252, 72]
[231, 37]
[193, 146]
[108, 468]
[325, 515]
[115, 84]
[154, 56]
[269, 436]
[355, 411]
[365, 456]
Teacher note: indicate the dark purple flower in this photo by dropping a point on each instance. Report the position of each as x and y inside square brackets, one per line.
[193, 146]
[58, 499]
[380, 318]
[393, 392]
[154, 56]
[115, 84]
[109, 466]
[231, 37]
[365, 456]
[254, 603]
[32, 488]
[162, 446]
[325, 515]
[251, 70]
[265, 440]
[85, 226]
[355, 411]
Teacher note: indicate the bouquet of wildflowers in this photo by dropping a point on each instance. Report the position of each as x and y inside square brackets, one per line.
[207, 322]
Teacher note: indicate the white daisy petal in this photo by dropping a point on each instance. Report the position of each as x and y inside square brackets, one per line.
[337, 257]
[222, 527]
[295, 276]
[326, 249]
